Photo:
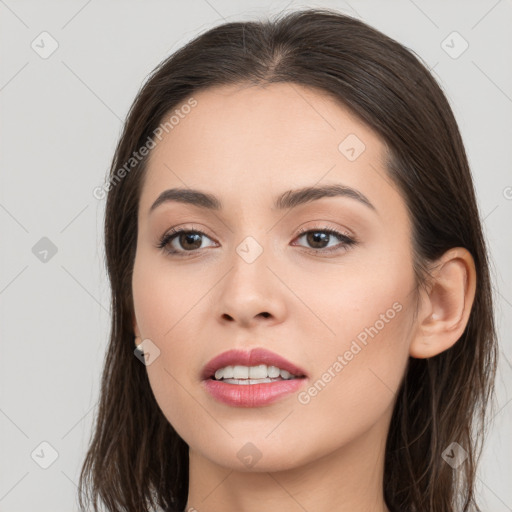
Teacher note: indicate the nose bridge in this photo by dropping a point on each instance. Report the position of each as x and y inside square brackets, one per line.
[250, 288]
[249, 267]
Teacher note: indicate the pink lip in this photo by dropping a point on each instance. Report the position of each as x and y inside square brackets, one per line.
[254, 357]
[251, 395]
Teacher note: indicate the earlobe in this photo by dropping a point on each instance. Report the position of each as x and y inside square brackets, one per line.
[444, 311]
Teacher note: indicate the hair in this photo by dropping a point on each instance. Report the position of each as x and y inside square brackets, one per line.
[135, 459]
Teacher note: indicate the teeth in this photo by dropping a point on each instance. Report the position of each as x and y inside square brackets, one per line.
[248, 381]
[260, 373]
[257, 372]
[273, 372]
[285, 374]
[240, 372]
[226, 372]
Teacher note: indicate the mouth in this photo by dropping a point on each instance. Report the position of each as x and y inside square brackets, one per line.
[251, 379]
[257, 366]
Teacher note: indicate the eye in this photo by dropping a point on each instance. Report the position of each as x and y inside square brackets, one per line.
[319, 239]
[189, 239]
[180, 241]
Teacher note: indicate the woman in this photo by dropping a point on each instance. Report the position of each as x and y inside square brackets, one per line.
[296, 255]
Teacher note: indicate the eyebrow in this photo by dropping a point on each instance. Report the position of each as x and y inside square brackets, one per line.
[288, 199]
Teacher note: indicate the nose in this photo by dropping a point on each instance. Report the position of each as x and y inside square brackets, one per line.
[250, 293]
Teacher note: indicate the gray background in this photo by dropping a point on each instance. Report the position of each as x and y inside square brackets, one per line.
[61, 117]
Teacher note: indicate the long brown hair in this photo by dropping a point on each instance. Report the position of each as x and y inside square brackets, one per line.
[136, 460]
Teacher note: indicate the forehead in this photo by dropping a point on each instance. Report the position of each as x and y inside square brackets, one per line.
[274, 120]
[248, 143]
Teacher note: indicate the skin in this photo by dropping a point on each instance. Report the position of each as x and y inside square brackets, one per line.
[247, 144]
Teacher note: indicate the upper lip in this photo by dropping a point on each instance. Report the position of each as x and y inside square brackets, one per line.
[252, 357]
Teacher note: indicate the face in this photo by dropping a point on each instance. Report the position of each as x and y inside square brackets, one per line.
[325, 283]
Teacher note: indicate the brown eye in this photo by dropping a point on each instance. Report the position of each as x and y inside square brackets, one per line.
[180, 241]
[319, 239]
[190, 240]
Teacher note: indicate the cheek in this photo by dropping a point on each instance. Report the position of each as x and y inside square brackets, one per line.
[366, 362]
[356, 376]
[163, 294]
[360, 361]
[164, 307]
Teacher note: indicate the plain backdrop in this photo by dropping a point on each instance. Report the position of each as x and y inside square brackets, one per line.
[61, 116]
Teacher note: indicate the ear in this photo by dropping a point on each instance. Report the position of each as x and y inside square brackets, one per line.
[444, 308]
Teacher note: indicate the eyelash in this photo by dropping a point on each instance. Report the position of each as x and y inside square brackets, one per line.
[346, 241]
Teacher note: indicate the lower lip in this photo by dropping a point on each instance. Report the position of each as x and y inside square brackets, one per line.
[252, 395]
